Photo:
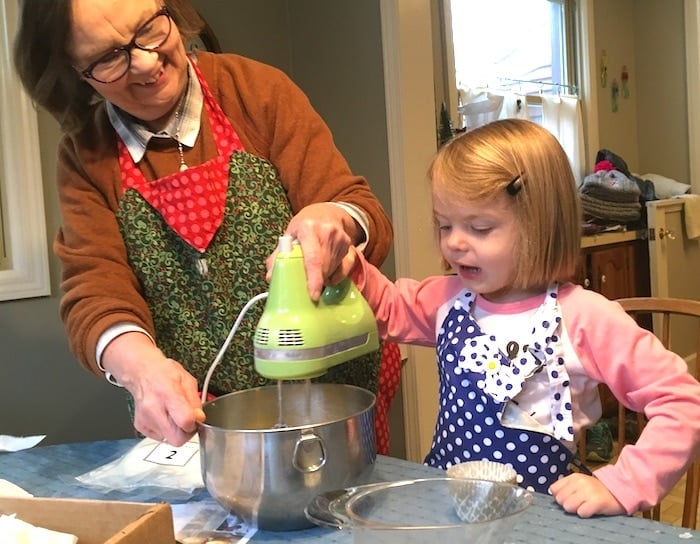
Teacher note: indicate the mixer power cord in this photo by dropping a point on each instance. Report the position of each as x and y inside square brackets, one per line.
[227, 342]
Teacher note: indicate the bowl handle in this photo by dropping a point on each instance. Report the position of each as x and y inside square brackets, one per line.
[309, 453]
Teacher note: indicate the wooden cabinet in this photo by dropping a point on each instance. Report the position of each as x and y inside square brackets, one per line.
[616, 270]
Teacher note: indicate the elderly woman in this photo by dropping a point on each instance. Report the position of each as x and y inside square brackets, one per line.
[176, 175]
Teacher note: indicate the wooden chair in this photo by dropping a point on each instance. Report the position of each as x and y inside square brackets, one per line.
[665, 311]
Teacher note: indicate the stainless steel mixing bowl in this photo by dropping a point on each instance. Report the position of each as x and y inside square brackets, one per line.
[266, 452]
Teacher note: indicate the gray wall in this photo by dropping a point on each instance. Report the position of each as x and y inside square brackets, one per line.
[43, 390]
[333, 51]
[650, 128]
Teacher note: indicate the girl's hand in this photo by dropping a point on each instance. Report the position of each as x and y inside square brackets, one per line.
[347, 265]
[585, 496]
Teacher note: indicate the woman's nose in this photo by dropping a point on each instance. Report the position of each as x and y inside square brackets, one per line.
[142, 61]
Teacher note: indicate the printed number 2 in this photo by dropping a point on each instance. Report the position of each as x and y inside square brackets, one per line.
[165, 454]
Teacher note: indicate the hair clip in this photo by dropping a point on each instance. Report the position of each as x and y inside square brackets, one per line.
[513, 187]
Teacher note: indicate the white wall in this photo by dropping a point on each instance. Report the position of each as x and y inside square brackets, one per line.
[650, 129]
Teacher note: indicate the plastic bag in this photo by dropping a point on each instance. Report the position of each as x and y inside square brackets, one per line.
[150, 464]
[207, 522]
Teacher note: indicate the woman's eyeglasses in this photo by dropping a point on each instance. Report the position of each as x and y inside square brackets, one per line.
[149, 37]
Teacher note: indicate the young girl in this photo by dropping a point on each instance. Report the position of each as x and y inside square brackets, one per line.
[520, 350]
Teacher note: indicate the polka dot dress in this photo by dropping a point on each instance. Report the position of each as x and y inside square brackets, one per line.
[477, 381]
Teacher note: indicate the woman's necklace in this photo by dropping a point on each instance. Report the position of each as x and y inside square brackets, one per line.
[179, 111]
[178, 120]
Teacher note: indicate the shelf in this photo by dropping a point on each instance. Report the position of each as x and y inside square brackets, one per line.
[605, 238]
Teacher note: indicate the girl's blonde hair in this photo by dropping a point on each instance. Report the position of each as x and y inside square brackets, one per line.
[524, 162]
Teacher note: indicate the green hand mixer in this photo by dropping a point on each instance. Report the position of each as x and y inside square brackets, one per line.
[298, 338]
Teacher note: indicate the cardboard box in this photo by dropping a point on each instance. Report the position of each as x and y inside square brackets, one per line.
[96, 522]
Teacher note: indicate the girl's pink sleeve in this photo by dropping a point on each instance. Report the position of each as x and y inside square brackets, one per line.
[406, 310]
[645, 377]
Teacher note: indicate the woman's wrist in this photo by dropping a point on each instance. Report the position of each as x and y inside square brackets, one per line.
[125, 352]
[357, 225]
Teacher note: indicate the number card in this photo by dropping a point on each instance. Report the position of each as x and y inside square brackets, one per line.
[165, 454]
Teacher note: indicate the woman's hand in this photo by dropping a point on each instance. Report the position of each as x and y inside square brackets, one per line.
[167, 403]
[585, 496]
[326, 232]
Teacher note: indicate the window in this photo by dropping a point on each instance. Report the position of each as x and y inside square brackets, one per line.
[24, 266]
[513, 58]
[523, 46]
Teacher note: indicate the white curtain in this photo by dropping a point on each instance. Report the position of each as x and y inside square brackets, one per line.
[479, 108]
[561, 115]
[515, 106]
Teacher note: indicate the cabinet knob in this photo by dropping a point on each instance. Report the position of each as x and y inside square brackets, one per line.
[603, 279]
[586, 283]
[666, 233]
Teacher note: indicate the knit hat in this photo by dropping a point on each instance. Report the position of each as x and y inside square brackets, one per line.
[611, 185]
[610, 212]
[609, 195]
[617, 162]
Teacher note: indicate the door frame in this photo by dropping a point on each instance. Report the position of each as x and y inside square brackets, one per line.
[412, 139]
[692, 62]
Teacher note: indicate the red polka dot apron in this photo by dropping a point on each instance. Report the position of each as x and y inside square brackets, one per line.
[389, 377]
[477, 384]
[197, 241]
[191, 201]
